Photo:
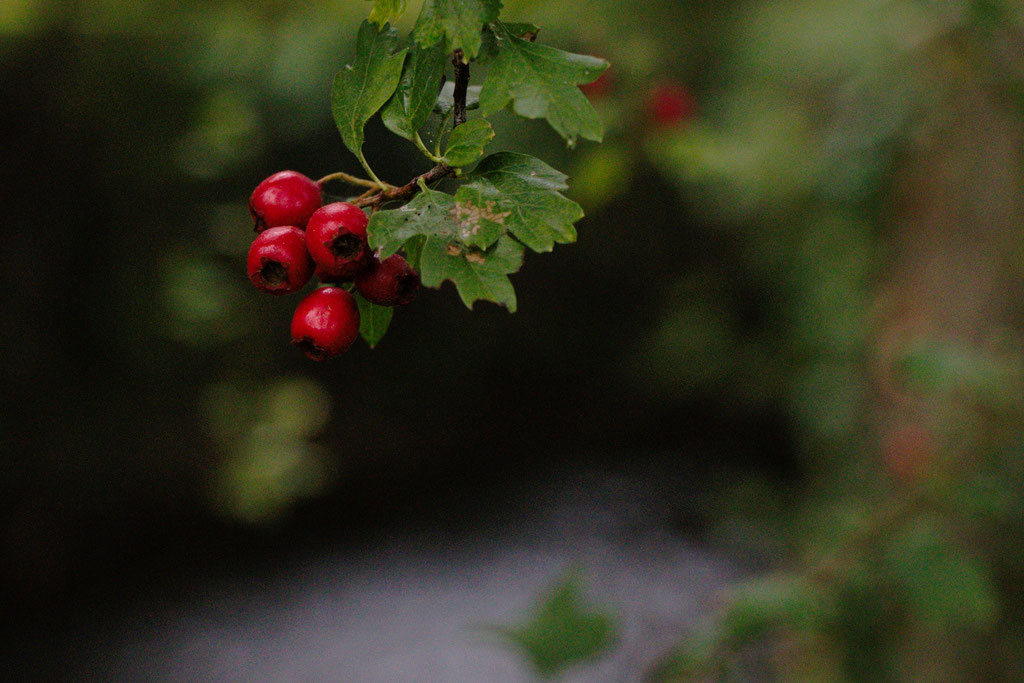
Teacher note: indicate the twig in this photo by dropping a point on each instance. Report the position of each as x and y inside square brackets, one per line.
[405, 191]
[461, 84]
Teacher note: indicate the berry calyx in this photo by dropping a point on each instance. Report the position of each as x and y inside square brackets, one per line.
[325, 323]
[391, 282]
[671, 104]
[278, 262]
[336, 238]
[285, 198]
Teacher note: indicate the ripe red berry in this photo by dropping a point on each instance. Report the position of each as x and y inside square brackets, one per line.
[325, 323]
[389, 282]
[285, 198]
[670, 104]
[278, 262]
[336, 237]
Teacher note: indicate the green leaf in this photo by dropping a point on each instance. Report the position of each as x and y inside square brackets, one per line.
[476, 274]
[408, 109]
[362, 88]
[480, 214]
[445, 238]
[446, 98]
[489, 46]
[413, 248]
[540, 82]
[562, 631]
[459, 22]
[429, 214]
[539, 215]
[386, 10]
[373, 320]
[466, 143]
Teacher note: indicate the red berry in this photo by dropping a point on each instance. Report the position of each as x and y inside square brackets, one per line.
[336, 237]
[285, 198]
[389, 282]
[325, 323]
[671, 104]
[278, 262]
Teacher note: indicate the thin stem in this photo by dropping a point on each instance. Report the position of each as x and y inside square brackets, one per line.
[436, 158]
[440, 133]
[350, 179]
[369, 171]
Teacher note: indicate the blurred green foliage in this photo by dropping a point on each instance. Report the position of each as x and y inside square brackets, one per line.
[822, 136]
[562, 630]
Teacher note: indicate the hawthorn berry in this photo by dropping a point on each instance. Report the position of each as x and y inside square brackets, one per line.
[325, 323]
[671, 104]
[285, 198]
[389, 282]
[336, 238]
[278, 261]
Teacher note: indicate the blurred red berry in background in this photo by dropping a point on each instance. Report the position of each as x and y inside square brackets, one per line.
[670, 104]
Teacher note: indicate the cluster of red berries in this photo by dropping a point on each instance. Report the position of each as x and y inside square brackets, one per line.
[299, 237]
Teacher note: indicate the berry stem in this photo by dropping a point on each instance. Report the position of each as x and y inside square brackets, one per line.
[350, 179]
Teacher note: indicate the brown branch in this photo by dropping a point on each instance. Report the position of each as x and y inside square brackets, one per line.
[405, 191]
[461, 85]
[439, 171]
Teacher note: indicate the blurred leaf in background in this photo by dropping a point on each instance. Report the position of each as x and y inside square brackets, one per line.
[563, 629]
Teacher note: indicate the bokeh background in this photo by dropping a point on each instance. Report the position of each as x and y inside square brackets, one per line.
[798, 290]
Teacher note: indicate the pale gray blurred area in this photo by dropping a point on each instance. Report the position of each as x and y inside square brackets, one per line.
[413, 607]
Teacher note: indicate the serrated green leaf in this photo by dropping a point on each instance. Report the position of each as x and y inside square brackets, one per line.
[373, 320]
[386, 10]
[431, 218]
[562, 630]
[540, 215]
[476, 274]
[429, 214]
[414, 98]
[362, 88]
[489, 44]
[459, 22]
[466, 143]
[540, 82]
[446, 98]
